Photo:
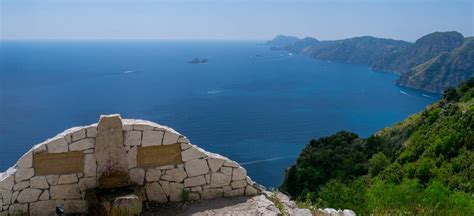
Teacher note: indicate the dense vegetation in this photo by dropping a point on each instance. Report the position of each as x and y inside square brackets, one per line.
[433, 63]
[423, 165]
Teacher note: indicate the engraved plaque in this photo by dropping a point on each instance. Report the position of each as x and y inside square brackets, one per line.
[58, 163]
[159, 155]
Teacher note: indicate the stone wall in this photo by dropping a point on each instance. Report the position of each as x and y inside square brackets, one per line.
[161, 162]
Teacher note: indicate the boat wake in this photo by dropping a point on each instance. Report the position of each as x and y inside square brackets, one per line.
[129, 71]
[214, 92]
[267, 160]
[424, 95]
[404, 93]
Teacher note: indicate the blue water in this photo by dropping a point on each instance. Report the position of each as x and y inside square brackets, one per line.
[253, 105]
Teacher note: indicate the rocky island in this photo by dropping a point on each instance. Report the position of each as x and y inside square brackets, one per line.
[198, 61]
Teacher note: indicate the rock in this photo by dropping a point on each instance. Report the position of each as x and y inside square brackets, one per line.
[191, 154]
[112, 169]
[90, 165]
[153, 175]
[194, 196]
[26, 161]
[235, 192]
[6, 196]
[24, 174]
[14, 196]
[28, 195]
[196, 189]
[211, 193]
[194, 181]
[215, 163]
[75, 206]
[80, 134]
[165, 185]
[196, 167]
[219, 180]
[170, 138]
[126, 205]
[57, 145]
[239, 174]
[43, 208]
[39, 182]
[239, 184]
[231, 164]
[226, 171]
[176, 175]
[67, 179]
[348, 212]
[185, 146]
[52, 179]
[82, 144]
[137, 175]
[18, 209]
[132, 157]
[250, 191]
[176, 190]
[44, 195]
[143, 127]
[133, 138]
[183, 140]
[87, 183]
[7, 183]
[70, 191]
[21, 185]
[91, 131]
[154, 192]
[152, 138]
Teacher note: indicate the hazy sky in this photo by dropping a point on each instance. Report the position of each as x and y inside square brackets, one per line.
[229, 20]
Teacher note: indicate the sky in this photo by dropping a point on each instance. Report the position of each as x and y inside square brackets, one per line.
[230, 20]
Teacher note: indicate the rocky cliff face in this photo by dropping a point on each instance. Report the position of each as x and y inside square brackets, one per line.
[433, 63]
[443, 71]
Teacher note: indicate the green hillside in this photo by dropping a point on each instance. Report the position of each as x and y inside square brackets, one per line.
[422, 165]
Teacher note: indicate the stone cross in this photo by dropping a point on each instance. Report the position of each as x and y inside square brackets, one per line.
[112, 168]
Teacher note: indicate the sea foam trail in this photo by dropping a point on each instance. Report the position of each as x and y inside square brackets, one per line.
[266, 160]
[424, 95]
[129, 71]
[404, 93]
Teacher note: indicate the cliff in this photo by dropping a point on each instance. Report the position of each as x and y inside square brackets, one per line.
[433, 63]
[422, 165]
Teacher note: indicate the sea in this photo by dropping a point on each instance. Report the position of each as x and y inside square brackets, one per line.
[256, 106]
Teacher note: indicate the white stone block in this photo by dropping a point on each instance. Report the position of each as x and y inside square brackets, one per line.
[215, 163]
[170, 138]
[44, 195]
[82, 144]
[191, 154]
[196, 167]
[176, 189]
[132, 138]
[26, 161]
[90, 165]
[219, 180]
[39, 182]
[70, 191]
[67, 179]
[152, 175]
[79, 134]
[154, 192]
[132, 157]
[175, 175]
[194, 181]
[24, 174]
[28, 195]
[239, 174]
[152, 138]
[57, 145]
[21, 185]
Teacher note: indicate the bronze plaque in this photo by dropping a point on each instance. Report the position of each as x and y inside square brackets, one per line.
[58, 163]
[159, 155]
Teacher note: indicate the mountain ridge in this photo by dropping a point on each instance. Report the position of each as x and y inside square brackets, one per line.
[396, 56]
